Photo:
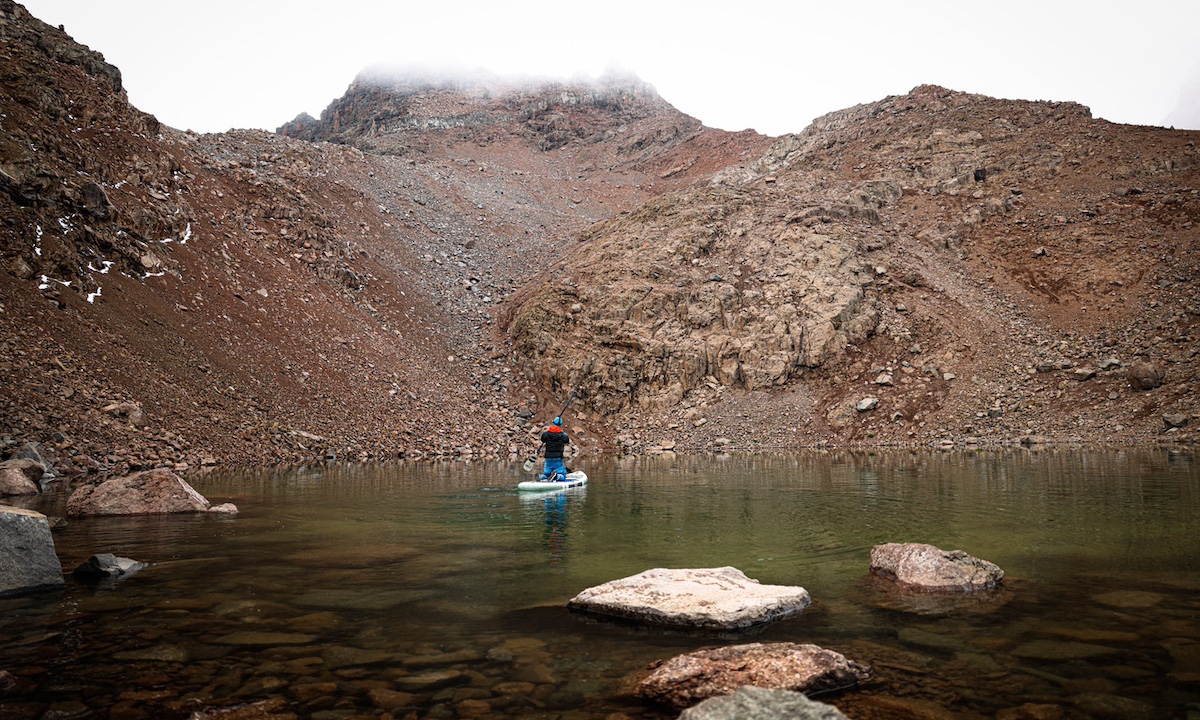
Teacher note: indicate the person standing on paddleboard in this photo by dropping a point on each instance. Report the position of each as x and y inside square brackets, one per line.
[554, 439]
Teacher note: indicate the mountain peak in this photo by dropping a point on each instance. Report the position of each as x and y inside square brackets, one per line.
[385, 105]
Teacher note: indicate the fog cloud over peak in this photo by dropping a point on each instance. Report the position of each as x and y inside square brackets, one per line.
[459, 77]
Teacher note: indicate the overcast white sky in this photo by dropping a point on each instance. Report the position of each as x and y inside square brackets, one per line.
[772, 66]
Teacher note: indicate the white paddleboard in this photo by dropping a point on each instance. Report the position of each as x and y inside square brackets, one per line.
[575, 478]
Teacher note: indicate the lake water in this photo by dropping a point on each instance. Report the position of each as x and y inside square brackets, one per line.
[439, 591]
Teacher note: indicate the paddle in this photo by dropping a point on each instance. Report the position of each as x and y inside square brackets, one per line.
[529, 463]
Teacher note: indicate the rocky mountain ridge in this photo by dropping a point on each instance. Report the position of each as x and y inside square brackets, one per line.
[430, 267]
[933, 267]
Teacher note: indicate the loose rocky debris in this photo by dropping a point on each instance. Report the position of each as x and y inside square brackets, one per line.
[152, 492]
[707, 598]
[918, 566]
[28, 562]
[756, 703]
[688, 679]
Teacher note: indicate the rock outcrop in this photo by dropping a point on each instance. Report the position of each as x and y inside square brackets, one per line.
[917, 566]
[28, 562]
[899, 238]
[688, 679]
[707, 598]
[696, 288]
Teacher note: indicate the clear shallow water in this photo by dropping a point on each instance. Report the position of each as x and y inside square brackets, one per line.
[349, 590]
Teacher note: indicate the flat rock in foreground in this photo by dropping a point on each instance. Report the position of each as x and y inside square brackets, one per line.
[688, 679]
[152, 492]
[755, 703]
[925, 567]
[709, 598]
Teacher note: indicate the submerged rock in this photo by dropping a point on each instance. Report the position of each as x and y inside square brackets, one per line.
[1129, 598]
[925, 567]
[688, 679]
[1059, 650]
[156, 653]
[264, 638]
[886, 594]
[273, 709]
[710, 598]
[107, 566]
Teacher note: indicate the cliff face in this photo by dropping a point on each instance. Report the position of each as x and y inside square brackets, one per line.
[969, 267]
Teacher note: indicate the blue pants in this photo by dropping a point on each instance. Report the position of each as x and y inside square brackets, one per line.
[553, 469]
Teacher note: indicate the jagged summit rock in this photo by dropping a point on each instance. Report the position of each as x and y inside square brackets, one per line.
[399, 110]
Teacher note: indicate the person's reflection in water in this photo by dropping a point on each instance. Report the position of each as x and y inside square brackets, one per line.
[554, 538]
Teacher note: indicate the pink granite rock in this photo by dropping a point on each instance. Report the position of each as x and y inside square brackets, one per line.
[925, 567]
[688, 679]
[711, 598]
[152, 492]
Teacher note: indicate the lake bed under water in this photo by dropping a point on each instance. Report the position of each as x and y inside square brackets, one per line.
[437, 590]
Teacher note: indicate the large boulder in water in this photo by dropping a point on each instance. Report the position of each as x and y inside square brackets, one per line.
[917, 566]
[28, 561]
[688, 679]
[709, 598]
[152, 492]
[755, 703]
